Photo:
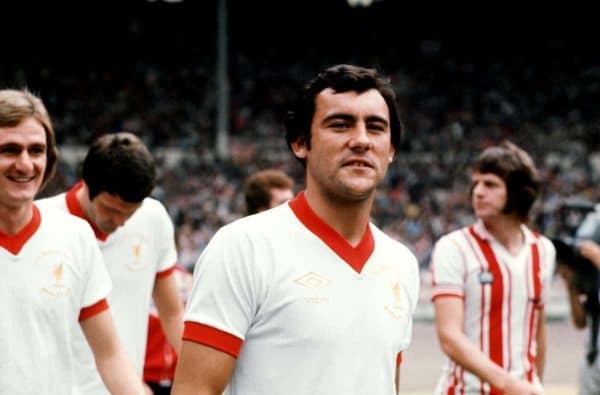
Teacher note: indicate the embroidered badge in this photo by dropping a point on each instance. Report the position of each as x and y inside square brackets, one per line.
[397, 308]
[486, 277]
[56, 266]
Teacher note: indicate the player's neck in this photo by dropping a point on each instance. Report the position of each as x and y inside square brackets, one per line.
[507, 231]
[14, 219]
[349, 220]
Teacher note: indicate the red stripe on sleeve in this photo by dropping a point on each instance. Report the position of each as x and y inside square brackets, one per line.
[90, 311]
[212, 337]
[165, 273]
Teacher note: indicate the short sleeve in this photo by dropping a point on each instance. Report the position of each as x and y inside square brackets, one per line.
[448, 269]
[167, 251]
[225, 288]
[548, 260]
[413, 288]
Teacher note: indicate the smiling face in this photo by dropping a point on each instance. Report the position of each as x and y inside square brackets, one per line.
[350, 145]
[489, 195]
[22, 162]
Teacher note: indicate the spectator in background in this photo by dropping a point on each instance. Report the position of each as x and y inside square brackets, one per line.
[52, 276]
[266, 189]
[585, 311]
[490, 283]
[135, 235]
[276, 307]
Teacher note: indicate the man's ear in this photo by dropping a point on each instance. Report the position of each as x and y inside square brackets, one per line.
[299, 148]
[391, 154]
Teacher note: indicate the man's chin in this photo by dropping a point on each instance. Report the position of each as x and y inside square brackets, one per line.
[358, 193]
[23, 197]
[107, 230]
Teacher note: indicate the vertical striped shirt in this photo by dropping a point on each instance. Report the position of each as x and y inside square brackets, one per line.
[503, 295]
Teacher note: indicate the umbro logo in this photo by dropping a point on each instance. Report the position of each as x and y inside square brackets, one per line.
[313, 281]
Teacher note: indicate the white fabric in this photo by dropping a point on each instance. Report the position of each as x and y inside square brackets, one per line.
[310, 323]
[58, 271]
[460, 269]
[134, 254]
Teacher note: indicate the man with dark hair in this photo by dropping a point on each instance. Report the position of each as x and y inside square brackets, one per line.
[136, 237]
[490, 283]
[266, 189]
[310, 297]
[52, 276]
[119, 164]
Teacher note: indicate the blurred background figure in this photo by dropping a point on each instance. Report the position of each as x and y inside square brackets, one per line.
[579, 265]
[266, 189]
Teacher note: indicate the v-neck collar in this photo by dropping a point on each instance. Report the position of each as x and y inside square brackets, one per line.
[528, 238]
[356, 257]
[14, 243]
[75, 208]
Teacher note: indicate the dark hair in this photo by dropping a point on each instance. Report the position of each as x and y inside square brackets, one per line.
[121, 165]
[257, 188]
[519, 173]
[17, 106]
[340, 78]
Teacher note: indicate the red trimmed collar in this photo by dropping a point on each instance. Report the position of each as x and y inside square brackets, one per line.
[75, 209]
[479, 228]
[356, 257]
[15, 243]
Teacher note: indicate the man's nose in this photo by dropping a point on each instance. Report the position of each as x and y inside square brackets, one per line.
[477, 189]
[24, 162]
[360, 138]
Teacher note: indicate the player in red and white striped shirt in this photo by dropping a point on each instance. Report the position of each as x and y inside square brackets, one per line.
[490, 283]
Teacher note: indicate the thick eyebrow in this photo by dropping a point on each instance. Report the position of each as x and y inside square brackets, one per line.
[352, 118]
[339, 116]
[11, 145]
[375, 118]
[37, 145]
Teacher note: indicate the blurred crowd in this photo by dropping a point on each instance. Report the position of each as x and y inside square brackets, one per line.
[451, 106]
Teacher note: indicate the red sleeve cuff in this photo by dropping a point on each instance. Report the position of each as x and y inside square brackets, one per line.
[165, 273]
[90, 311]
[212, 337]
[399, 359]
